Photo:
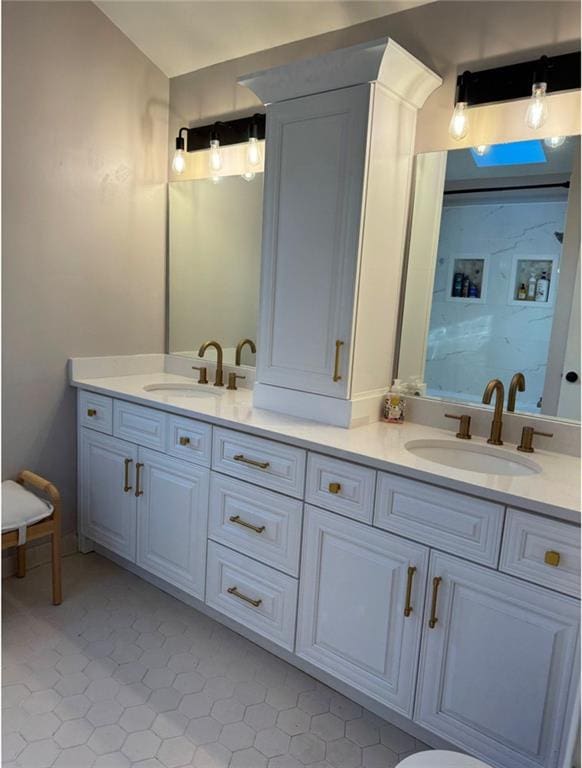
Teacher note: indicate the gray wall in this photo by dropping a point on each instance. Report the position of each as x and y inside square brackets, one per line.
[84, 205]
[446, 36]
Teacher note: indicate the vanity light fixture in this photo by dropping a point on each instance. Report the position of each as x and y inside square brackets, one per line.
[179, 160]
[537, 110]
[244, 130]
[529, 79]
[553, 142]
[459, 125]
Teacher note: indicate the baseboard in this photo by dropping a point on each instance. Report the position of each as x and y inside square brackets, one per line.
[38, 554]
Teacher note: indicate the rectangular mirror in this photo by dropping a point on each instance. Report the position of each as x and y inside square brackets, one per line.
[493, 276]
[214, 264]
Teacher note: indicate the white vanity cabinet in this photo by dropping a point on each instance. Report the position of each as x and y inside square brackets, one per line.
[499, 667]
[338, 164]
[360, 606]
[107, 504]
[334, 563]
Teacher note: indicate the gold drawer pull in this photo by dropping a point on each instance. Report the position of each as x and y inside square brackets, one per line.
[334, 487]
[552, 558]
[252, 462]
[91, 412]
[336, 367]
[184, 441]
[408, 607]
[234, 591]
[436, 582]
[138, 467]
[126, 485]
[237, 519]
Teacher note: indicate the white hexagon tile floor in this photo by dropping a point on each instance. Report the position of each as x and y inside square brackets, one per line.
[122, 674]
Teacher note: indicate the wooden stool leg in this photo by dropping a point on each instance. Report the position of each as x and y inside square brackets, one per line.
[56, 565]
[21, 561]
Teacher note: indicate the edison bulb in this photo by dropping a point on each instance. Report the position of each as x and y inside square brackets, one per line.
[459, 124]
[553, 142]
[537, 110]
[179, 161]
[215, 159]
[253, 152]
[482, 149]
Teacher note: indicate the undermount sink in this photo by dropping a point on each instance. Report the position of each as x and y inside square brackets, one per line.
[184, 390]
[472, 457]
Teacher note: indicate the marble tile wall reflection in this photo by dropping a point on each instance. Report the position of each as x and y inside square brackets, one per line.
[471, 342]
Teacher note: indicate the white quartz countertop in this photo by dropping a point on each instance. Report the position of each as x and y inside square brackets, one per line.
[554, 492]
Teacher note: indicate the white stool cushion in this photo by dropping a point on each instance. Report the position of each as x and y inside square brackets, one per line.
[21, 508]
[437, 758]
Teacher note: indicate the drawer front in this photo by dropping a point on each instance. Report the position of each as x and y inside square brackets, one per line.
[271, 465]
[188, 440]
[259, 523]
[140, 425]
[450, 521]
[546, 552]
[253, 594]
[340, 487]
[96, 412]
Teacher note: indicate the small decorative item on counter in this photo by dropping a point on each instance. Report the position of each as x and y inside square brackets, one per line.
[542, 287]
[394, 404]
[473, 291]
[531, 287]
[522, 292]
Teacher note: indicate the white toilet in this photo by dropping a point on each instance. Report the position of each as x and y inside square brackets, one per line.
[439, 758]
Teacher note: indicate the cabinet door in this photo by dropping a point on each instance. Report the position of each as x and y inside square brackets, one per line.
[108, 503]
[353, 596]
[172, 517]
[313, 199]
[498, 673]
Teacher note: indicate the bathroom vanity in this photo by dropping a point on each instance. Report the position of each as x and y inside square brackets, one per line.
[445, 599]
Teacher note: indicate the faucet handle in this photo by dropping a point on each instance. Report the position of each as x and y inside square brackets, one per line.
[464, 432]
[527, 436]
[232, 377]
[203, 378]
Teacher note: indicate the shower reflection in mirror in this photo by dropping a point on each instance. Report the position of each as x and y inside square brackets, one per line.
[493, 275]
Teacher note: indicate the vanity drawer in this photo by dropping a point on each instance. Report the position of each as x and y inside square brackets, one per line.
[96, 412]
[259, 523]
[546, 552]
[340, 487]
[453, 522]
[253, 594]
[188, 440]
[139, 424]
[270, 464]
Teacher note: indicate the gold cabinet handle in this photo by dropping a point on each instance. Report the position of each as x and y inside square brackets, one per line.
[334, 487]
[184, 440]
[436, 582]
[252, 462]
[91, 412]
[138, 467]
[336, 368]
[126, 485]
[552, 558]
[234, 591]
[239, 521]
[408, 606]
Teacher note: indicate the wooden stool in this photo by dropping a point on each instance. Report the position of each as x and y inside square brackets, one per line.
[26, 517]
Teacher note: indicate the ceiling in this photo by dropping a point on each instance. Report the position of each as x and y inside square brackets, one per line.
[180, 37]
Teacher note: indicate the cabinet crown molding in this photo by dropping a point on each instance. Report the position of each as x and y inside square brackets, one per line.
[382, 61]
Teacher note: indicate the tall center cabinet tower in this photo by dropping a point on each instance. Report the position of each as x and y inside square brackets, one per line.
[339, 151]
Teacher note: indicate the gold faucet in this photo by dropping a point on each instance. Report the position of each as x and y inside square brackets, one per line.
[240, 346]
[517, 385]
[495, 385]
[219, 378]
